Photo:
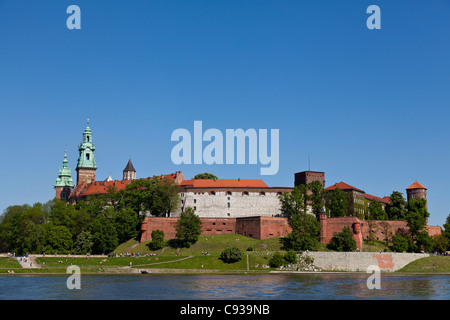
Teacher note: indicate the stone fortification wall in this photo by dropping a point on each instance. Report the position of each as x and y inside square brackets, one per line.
[231, 204]
[360, 261]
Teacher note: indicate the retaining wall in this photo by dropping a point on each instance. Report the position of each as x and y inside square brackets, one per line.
[360, 261]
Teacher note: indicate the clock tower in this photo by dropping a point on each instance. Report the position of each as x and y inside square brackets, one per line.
[86, 165]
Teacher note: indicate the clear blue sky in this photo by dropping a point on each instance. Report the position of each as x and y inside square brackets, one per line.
[370, 107]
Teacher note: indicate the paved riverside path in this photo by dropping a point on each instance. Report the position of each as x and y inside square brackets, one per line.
[28, 262]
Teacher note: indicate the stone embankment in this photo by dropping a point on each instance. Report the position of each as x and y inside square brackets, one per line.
[361, 261]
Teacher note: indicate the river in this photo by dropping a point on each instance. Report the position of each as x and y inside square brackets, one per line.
[327, 286]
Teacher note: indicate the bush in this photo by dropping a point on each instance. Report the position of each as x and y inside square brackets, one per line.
[230, 255]
[343, 241]
[157, 240]
[290, 257]
[276, 261]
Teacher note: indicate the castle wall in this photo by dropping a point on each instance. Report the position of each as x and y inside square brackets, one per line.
[254, 227]
[231, 204]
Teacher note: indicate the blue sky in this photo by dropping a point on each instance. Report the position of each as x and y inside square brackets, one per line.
[370, 107]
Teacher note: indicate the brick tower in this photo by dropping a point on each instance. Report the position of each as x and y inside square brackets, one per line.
[64, 182]
[86, 165]
[416, 190]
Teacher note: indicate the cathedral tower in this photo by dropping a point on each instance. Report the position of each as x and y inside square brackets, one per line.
[86, 165]
[64, 182]
[129, 173]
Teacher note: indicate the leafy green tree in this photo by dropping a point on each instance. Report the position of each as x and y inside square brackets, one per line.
[157, 196]
[400, 243]
[126, 223]
[205, 175]
[104, 235]
[397, 210]
[290, 257]
[305, 233]
[83, 243]
[343, 241]
[293, 202]
[316, 196]
[58, 239]
[188, 227]
[276, 261]
[440, 243]
[338, 203]
[231, 255]
[417, 216]
[157, 240]
[376, 211]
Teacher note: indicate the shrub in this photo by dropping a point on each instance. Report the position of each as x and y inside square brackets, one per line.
[290, 257]
[343, 241]
[276, 261]
[157, 240]
[230, 255]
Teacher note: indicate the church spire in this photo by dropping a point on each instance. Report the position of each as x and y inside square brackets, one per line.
[129, 173]
[86, 165]
[64, 182]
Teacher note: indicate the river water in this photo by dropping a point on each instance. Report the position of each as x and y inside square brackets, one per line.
[329, 286]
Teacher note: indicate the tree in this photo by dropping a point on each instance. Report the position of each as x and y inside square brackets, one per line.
[397, 210]
[316, 197]
[126, 223]
[58, 239]
[231, 255]
[305, 233]
[157, 240]
[376, 211]
[386, 229]
[400, 243]
[276, 260]
[104, 235]
[188, 227]
[157, 196]
[440, 243]
[343, 241]
[417, 216]
[293, 202]
[83, 243]
[205, 175]
[338, 203]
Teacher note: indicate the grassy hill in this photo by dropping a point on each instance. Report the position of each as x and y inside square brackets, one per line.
[437, 264]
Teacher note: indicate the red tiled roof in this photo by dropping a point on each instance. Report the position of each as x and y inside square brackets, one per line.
[224, 183]
[386, 199]
[342, 186]
[101, 187]
[416, 185]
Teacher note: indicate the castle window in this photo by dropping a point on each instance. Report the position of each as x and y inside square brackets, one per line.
[228, 214]
[88, 138]
[213, 193]
[87, 156]
[245, 193]
[228, 193]
[63, 196]
[228, 198]
[195, 200]
[263, 193]
[229, 205]
[195, 208]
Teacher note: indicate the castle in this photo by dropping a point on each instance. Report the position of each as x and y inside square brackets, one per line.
[225, 206]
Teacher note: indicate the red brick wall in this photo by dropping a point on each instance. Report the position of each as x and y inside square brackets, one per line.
[255, 227]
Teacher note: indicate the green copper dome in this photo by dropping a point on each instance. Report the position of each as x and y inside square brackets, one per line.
[86, 150]
[64, 176]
